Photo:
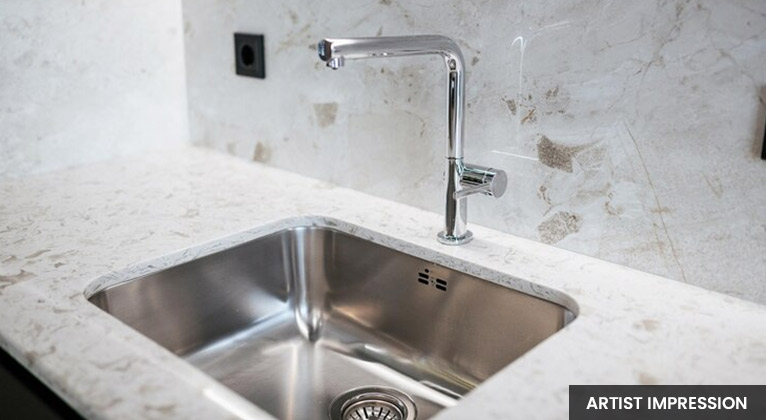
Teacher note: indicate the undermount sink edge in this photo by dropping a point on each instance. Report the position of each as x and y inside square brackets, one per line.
[393, 348]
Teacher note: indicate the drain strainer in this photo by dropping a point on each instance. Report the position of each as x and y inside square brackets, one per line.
[373, 403]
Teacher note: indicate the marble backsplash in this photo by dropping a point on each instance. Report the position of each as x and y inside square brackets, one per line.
[83, 81]
[630, 130]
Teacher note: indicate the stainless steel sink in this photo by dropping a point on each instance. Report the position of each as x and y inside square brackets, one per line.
[292, 320]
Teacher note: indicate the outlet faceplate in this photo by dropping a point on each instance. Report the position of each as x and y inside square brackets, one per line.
[249, 56]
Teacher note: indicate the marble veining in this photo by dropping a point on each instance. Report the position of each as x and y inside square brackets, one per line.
[630, 131]
[67, 234]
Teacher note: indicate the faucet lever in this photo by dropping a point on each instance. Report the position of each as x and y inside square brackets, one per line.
[476, 179]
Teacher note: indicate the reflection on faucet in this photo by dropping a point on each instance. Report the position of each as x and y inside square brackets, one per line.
[463, 179]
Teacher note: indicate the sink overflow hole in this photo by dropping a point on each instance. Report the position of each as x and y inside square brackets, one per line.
[425, 278]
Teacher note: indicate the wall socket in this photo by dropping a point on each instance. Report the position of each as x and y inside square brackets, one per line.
[248, 54]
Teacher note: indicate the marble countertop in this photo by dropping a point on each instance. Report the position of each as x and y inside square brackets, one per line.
[61, 231]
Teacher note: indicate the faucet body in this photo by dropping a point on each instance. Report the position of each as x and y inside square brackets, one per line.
[462, 179]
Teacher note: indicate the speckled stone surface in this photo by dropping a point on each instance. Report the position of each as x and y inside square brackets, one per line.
[66, 234]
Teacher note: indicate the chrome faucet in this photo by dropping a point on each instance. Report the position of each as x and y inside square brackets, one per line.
[463, 179]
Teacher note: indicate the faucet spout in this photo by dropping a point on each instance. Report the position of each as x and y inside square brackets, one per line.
[460, 177]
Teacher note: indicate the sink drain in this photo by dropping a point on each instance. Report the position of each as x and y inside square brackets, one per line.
[373, 403]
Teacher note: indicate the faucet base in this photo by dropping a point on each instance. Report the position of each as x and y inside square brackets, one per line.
[454, 240]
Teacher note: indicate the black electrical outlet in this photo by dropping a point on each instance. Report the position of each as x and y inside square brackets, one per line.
[248, 51]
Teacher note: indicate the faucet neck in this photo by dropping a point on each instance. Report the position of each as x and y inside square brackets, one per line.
[455, 108]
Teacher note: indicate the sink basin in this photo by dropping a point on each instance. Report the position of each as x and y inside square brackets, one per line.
[296, 318]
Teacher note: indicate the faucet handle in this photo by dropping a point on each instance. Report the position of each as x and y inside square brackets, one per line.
[481, 179]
